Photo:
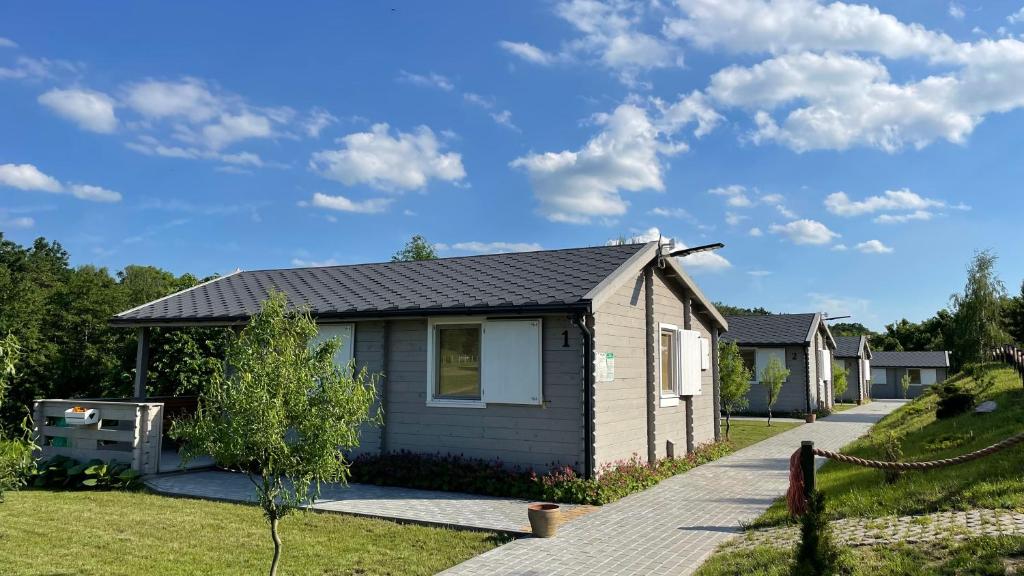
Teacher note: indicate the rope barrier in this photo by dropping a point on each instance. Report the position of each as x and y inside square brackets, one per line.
[927, 465]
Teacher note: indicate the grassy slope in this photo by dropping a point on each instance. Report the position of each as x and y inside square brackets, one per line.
[743, 433]
[993, 482]
[84, 533]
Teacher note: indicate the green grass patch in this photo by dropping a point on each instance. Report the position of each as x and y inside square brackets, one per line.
[981, 556]
[743, 433]
[842, 407]
[111, 533]
[992, 482]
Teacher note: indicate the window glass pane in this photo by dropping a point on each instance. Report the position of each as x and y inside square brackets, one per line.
[750, 360]
[915, 376]
[458, 362]
[668, 351]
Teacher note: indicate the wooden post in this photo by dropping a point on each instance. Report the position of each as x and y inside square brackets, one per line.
[141, 363]
[807, 465]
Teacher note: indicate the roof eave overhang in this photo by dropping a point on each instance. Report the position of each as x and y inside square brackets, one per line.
[228, 321]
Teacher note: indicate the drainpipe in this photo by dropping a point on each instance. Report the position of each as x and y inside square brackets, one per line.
[807, 366]
[688, 400]
[588, 394]
[650, 355]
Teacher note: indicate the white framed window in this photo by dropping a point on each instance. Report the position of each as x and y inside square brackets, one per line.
[679, 363]
[915, 376]
[927, 376]
[668, 364]
[878, 376]
[473, 361]
[345, 333]
[764, 356]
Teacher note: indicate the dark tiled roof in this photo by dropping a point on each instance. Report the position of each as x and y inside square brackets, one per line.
[524, 280]
[849, 346]
[918, 359]
[772, 329]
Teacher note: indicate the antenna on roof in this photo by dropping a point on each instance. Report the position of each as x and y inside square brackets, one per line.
[827, 318]
[683, 252]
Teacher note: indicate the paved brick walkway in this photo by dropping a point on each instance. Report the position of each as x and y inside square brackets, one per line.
[893, 529]
[448, 509]
[673, 527]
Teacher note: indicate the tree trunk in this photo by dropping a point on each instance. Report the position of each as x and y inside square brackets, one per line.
[769, 415]
[277, 546]
[727, 424]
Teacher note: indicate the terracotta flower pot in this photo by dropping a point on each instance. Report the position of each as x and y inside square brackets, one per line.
[810, 417]
[544, 519]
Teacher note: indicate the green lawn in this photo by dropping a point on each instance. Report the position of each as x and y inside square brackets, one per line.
[993, 482]
[743, 433]
[112, 533]
[842, 406]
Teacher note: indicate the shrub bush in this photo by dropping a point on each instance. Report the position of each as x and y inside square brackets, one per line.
[891, 444]
[560, 484]
[70, 474]
[953, 401]
[817, 553]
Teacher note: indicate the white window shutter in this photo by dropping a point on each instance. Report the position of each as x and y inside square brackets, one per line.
[825, 359]
[865, 368]
[511, 371]
[705, 353]
[690, 381]
[343, 332]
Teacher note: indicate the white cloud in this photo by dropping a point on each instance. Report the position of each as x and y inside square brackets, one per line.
[834, 306]
[755, 232]
[902, 200]
[188, 98]
[232, 128]
[406, 161]
[28, 68]
[694, 107]
[780, 26]
[732, 218]
[956, 11]
[430, 80]
[527, 52]
[94, 193]
[22, 222]
[343, 204]
[485, 102]
[576, 186]
[735, 195]
[7, 43]
[759, 273]
[28, 177]
[1016, 17]
[491, 247]
[504, 118]
[901, 218]
[302, 263]
[873, 247]
[317, 120]
[840, 248]
[699, 262]
[672, 213]
[805, 232]
[91, 110]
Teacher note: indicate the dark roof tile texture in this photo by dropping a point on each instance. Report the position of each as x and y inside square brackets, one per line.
[549, 278]
[772, 329]
[913, 359]
[848, 346]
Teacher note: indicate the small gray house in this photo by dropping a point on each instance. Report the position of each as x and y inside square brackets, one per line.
[925, 368]
[800, 341]
[579, 357]
[853, 353]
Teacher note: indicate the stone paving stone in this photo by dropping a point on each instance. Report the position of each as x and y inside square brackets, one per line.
[675, 525]
[422, 506]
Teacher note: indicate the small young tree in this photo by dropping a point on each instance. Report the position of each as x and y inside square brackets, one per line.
[905, 384]
[977, 312]
[417, 248]
[16, 461]
[735, 381]
[772, 377]
[282, 412]
[839, 382]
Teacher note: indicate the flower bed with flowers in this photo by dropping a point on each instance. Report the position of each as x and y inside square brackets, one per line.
[561, 484]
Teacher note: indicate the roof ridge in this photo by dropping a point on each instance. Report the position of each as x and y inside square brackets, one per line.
[447, 258]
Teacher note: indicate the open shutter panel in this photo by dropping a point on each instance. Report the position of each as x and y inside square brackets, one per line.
[690, 384]
[865, 369]
[512, 362]
[825, 361]
[705, 353]
[343, 332]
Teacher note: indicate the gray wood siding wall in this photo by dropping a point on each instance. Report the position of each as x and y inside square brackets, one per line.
[621, 405]
[855, 384]
[620, 409]
[793, 396]
[528, 436]
[368, 353]
[891, 388]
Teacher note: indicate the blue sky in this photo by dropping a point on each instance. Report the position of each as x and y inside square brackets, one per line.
[851, 157]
